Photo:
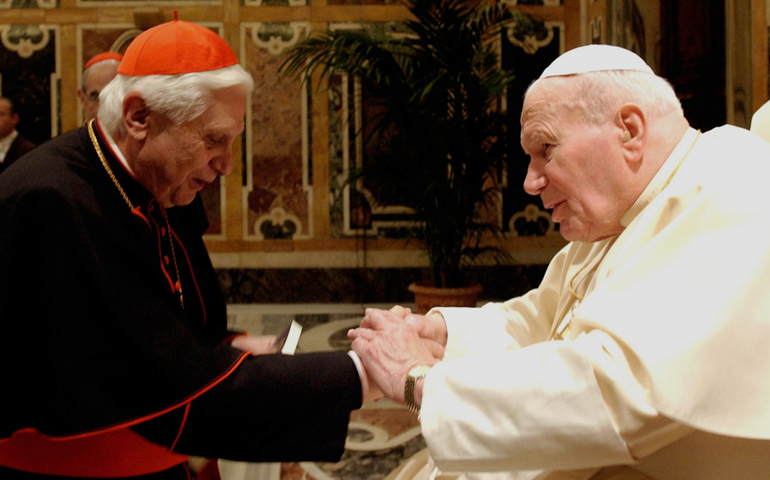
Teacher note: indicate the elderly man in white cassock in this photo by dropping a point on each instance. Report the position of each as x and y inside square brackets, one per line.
[643, 352]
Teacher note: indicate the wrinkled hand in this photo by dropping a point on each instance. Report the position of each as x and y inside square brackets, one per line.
[431, 327]
[389, 348]
[258, 344]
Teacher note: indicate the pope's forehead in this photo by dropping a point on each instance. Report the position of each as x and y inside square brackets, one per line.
[546, 92]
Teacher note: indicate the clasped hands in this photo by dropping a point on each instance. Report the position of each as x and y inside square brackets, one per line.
[392, 342]
[389, 344]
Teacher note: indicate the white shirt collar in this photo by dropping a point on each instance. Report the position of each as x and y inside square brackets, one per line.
[5, 144]
[115, 150]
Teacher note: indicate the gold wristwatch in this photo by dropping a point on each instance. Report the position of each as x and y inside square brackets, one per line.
[411, 378]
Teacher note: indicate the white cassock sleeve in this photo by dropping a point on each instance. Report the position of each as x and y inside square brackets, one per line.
[552, 405]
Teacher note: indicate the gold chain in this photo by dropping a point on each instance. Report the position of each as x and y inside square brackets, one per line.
[114, 179]
[106, 166]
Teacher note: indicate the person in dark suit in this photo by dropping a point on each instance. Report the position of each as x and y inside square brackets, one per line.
[12, 144]
[115, 357]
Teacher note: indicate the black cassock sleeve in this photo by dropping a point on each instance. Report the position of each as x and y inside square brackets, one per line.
[272, 408]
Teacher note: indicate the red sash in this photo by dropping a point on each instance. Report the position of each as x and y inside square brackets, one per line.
[114, 453]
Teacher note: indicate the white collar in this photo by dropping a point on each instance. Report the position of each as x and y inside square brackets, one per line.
[660, 180]
[115, 150]
[5, 144]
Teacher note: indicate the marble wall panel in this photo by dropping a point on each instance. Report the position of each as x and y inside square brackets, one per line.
[526, 49]
[213, 196]
[277, 194]
[94, 39]
[29, 75]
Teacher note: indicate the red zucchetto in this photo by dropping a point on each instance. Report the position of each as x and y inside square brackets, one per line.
[176, 47]
[100, 57]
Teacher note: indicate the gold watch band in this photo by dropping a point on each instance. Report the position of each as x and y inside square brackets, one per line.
[411, 379]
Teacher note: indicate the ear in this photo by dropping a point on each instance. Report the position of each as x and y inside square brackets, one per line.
[135, 116]
[631, 122]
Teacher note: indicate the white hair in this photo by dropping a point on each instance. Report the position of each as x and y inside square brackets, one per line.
[598, 95]
[181, 97]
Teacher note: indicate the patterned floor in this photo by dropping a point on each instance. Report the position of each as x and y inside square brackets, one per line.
[382, 435]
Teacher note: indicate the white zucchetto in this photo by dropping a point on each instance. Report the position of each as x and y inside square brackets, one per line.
[595, 58]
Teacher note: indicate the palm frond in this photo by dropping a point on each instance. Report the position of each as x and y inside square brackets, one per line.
[438, 136]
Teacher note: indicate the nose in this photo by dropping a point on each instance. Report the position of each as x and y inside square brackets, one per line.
[223, 162]
[536, 180]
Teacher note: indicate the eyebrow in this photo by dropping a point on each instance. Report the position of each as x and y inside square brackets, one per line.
[533, 135]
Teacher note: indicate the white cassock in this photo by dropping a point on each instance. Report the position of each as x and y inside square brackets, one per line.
[760, 121]
[664, 370]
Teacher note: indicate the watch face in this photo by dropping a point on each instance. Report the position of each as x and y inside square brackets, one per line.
[419, 371]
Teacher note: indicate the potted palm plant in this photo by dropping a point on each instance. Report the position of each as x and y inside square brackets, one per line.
[437, 128]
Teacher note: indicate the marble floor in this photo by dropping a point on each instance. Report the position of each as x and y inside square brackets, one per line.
[382, 435]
